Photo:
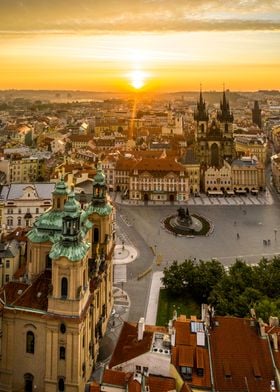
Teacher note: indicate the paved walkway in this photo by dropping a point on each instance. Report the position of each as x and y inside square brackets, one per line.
[151, 311]
[263, 198]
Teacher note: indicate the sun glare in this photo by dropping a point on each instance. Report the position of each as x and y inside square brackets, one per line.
[137, 79]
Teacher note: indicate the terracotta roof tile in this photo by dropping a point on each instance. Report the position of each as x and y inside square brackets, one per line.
[187, 353]
[128, 346]
[133, 385]
[242, 358]
[114, 377]
[33, 296]
[94, 387]
[161, 384]
[164, 164]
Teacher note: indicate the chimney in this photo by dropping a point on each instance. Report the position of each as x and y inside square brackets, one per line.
[141, 328]
[173, 337]
[275, 341]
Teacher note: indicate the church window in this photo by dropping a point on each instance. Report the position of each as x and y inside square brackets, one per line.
[61, 386]
[62, 352]
[30, 342]
[96, 235]
[28, 382]
[48, 262]
[64, 287]
[62, 328]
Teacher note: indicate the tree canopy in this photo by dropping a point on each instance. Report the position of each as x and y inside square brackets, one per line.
[232, 291]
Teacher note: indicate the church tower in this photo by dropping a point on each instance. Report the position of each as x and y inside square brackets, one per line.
[201, 117]
[101, 213]
[225, 118]
[64, 304]
[44, 232]
[257, 115]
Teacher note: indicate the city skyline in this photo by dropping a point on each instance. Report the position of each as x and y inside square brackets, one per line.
[149, 46]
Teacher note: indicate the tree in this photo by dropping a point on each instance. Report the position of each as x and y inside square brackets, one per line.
[178, 277]
[207, 275]
[267, 307]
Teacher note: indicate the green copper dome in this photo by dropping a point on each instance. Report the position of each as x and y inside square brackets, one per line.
[61, 188]
[99, 178]
[72, 207]
[74, 252]
[100, 209]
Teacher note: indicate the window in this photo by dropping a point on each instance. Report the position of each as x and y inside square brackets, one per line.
[64, 287]
[37, 210]
[7, 278]
[19, 221]
[62, 328]
[62, 352]
[7, 263]
[138, 369]
[61, 384]
[48, 262]
[28, 382]
[30, 342]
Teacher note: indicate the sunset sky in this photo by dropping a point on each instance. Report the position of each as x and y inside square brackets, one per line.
[155, 45]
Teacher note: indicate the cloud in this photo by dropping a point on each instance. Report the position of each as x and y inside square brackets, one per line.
[60, 16]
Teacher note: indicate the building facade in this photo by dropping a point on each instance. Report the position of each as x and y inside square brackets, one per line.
[53, 319]
[214, 138]
[23, 203]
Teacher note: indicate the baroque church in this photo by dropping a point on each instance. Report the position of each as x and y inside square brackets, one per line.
[53, 318]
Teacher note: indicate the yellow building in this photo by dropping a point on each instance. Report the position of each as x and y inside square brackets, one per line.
[275, 168]
[247, 175]
[218, 180]
[53, 319]
[26, 170]
[161, 179]
[252, 146]
[275, 134]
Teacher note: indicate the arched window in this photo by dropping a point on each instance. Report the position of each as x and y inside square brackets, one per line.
[61, 386]
[30, 342]
[64, 287]
[28, 382]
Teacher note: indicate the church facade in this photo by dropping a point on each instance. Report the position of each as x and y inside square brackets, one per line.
[214, 137]
[53, 318]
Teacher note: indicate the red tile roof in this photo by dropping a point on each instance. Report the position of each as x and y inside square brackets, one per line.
[94, 387]
[33, 296]
[128, 345]
[122, 379]
[163, 164]
[161, 384]
[114, 377]
[242, 360]
[187, 353]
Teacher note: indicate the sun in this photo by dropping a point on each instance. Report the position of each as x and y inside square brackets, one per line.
[137, 79]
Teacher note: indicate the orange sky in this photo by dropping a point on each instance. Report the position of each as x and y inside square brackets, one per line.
[113, 45]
